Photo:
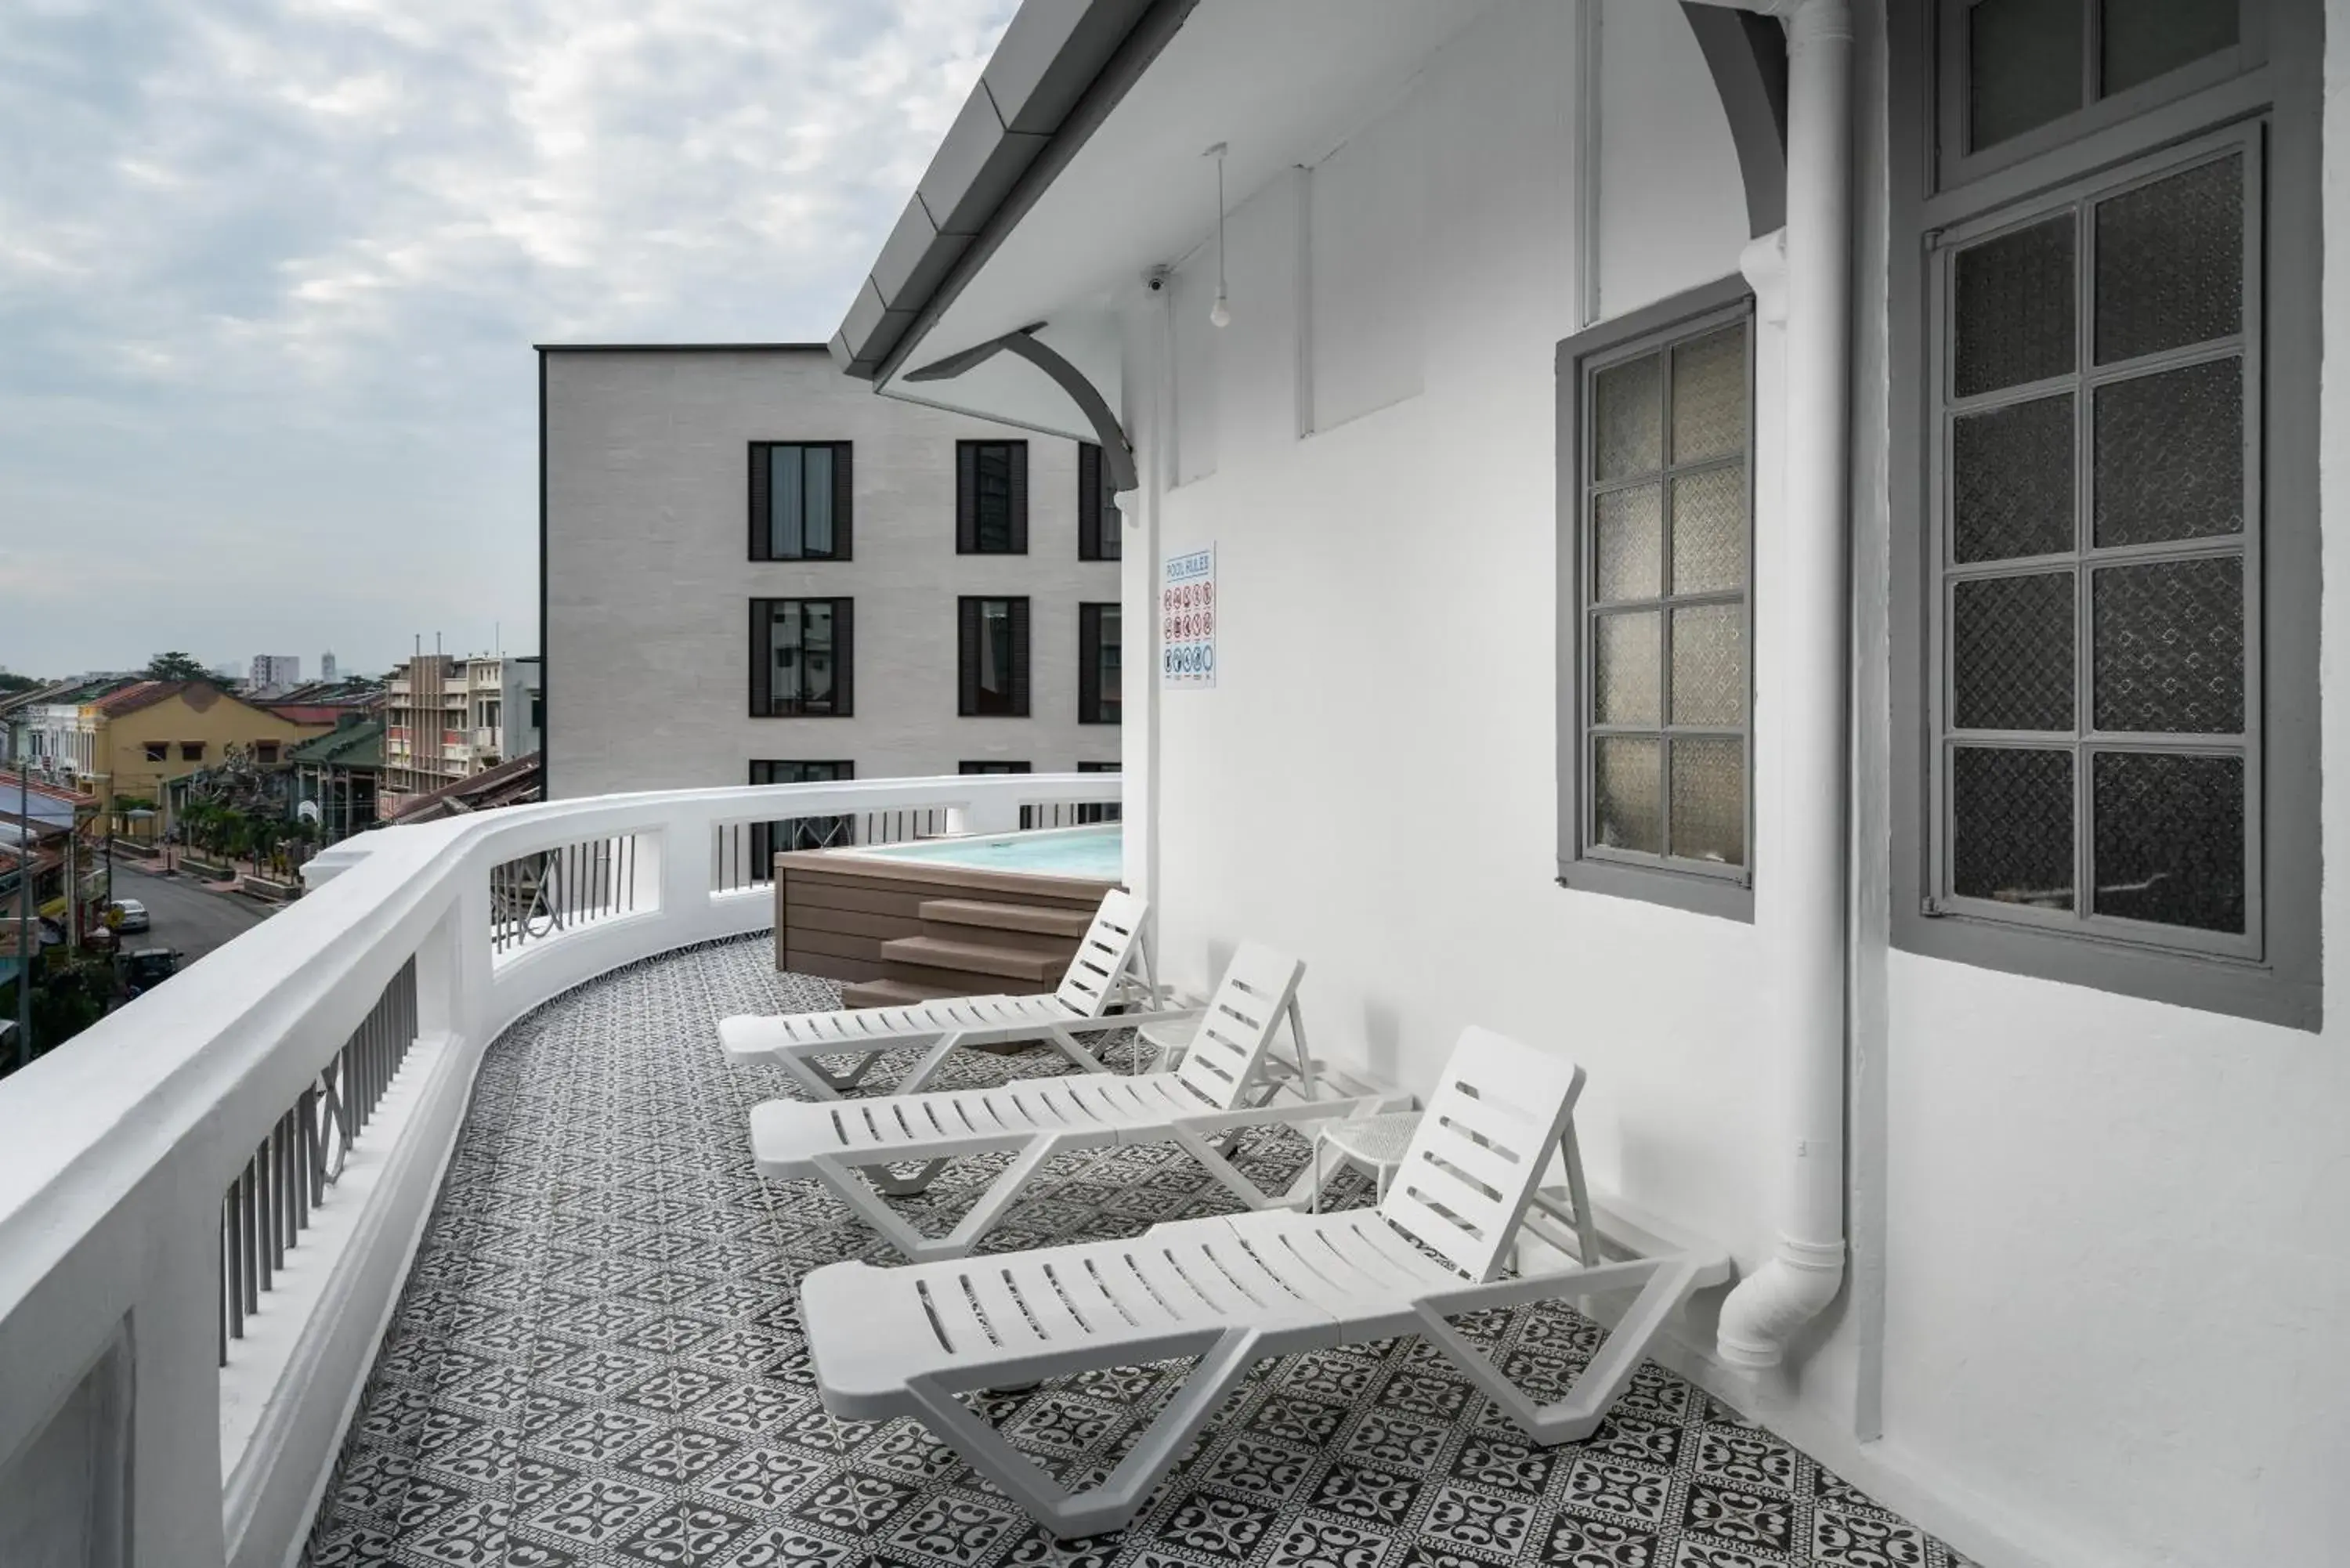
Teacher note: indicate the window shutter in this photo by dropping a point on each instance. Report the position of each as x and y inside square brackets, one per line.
[762, 461]
[763, 666]
[967, 658]
[966, 496]
[1019, 467]
[1089, 664]
[1089, 501]
[844, 502]
[844, 658]
[1019, 648]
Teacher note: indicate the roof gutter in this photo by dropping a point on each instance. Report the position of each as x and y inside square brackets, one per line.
[1063, 66]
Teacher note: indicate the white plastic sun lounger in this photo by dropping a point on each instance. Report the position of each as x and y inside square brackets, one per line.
[1234, 1291]
[1226, 1083]
[1102, 968]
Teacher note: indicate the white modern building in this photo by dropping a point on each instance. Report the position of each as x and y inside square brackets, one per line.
[327, 668]
[272, 672]
[1779, 552]
[830, 586]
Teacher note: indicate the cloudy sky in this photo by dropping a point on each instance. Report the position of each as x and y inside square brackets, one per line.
[271, 270]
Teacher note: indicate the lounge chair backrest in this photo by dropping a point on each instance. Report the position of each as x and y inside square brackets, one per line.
[1104, 954]
[1227, 1052]
[1496, 1117]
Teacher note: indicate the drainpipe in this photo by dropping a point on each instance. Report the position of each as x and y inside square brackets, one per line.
[1800, 901]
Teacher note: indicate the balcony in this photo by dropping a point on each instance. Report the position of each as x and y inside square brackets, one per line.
[419, 1223]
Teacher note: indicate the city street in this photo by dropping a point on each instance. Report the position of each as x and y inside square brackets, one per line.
[185, 915]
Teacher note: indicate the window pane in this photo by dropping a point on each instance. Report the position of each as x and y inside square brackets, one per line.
[2013, 480]
[2146, 38]
[993, 500]
[1710, 396]
[1630, 547]
[784, 646]
[2170, 262]
[994, 656]
[2169, 455]
[2012, 653]
[1629, 418]
[1709, 531]
[1111, 659]
[1625, 812]
[1710, 664]
[2012, 825]
[785, 487]
[816, 651]
[1709, 800]
[2170, 839]
[2015, 308]
[2170, 645]
[1624, 668]
[2023, 67]
[817, 461]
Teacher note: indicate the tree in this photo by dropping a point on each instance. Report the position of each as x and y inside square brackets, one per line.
[175, 666]
[11, 682]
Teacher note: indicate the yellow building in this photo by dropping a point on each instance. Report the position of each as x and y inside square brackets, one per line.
[144, 736]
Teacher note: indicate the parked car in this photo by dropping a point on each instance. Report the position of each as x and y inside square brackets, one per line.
[146, 968]
[133, 915]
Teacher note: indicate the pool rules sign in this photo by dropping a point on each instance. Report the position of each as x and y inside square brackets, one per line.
[1187, 619]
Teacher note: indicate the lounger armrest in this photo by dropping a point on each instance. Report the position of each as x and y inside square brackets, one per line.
[1109, 1021]
[1549, 1284]
[1212, 1124]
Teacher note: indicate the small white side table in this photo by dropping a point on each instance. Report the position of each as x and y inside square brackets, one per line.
[1378, 1142]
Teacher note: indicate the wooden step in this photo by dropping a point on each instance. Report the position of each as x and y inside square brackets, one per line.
[893, 994]
[1029, 917]
[974, 958]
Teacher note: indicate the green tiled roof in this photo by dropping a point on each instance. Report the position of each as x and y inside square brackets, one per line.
[359, 745]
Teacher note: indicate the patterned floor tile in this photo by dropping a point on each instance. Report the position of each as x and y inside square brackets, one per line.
[596, 1362]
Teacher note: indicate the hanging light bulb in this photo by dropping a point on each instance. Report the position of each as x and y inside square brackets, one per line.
[1220, 312]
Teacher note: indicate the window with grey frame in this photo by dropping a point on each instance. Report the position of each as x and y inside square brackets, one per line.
[2115, 642]
[1657, 503]
[800, 508]
[2097, 765]
[803, 658]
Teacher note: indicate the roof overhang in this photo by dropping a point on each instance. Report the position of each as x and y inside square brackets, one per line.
[1076, 168]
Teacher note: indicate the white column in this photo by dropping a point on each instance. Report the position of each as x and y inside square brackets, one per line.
[1801, 895]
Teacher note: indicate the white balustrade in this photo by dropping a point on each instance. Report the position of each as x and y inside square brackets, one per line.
[210, 1199]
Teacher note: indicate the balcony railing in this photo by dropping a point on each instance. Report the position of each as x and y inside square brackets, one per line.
[209, 1199]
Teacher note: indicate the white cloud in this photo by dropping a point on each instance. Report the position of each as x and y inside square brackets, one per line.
[288, 241]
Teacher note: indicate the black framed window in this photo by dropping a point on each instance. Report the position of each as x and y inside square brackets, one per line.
[991, 767]
[803, 657]
[771, 838]
[800, 500]
[1099, 677]
[1099, 811]
[992, 497]
[1657, 520]
[191, 750]
[1098, 537]
[993, 658]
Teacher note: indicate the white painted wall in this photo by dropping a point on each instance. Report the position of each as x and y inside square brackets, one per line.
[1372, 782]
[2104, 1239]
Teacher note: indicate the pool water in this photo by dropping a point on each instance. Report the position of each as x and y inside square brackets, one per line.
[1095, 853]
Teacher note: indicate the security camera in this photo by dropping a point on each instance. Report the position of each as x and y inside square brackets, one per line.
[1155, 280]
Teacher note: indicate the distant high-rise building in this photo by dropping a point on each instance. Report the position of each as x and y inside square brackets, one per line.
[327, 668]
[271, 670]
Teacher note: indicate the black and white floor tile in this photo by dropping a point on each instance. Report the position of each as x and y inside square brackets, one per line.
[598, 1361]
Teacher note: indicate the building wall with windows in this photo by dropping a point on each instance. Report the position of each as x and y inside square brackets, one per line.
[2097, 1210]
[659, 586]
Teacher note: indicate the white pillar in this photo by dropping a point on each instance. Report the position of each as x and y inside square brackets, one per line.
[1801, 897]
